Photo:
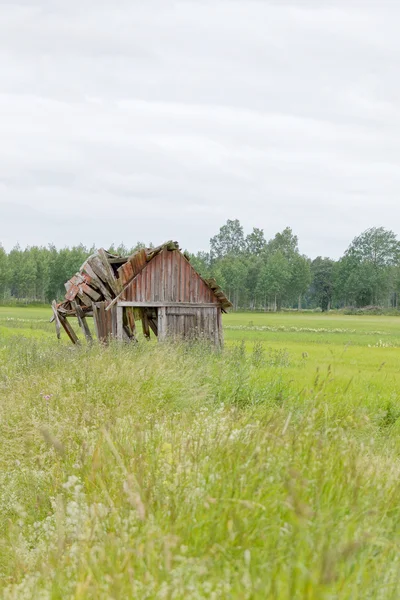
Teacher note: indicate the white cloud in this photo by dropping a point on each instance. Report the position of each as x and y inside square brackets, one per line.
[159, 119]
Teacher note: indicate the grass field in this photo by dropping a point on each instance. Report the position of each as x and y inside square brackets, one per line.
[269, 471]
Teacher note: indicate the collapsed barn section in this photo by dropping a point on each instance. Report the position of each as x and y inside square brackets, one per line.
[157, 287]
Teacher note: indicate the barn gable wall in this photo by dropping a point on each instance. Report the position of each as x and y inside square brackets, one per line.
[169, 277]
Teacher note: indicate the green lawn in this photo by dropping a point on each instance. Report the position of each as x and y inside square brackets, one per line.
[268, 471]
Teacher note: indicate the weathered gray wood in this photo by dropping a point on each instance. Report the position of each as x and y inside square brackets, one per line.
[68, 330]
[89, 291]
[117, 298]
[120, 322]
[56, 319]
[82, 322]
[162, 323]
[126, 335]
[102, 274]
[220, 330]
[162, 304]
[118, 261]
[85, 298]
[112, 281]
[95, 320]
[97, 282]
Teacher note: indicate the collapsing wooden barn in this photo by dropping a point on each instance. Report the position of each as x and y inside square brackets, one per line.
[157, 286]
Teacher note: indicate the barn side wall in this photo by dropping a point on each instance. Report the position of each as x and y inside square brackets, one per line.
[105, 322]
[191, 323]
[169, 277]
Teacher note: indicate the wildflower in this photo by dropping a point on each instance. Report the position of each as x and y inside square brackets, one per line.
[72, 481]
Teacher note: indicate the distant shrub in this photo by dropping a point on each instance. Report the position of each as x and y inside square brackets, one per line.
[370, 310]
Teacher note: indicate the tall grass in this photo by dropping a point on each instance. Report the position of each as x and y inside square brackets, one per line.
[162, 471]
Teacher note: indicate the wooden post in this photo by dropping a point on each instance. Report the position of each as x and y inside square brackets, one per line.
[145, 324]
[95, 322]
[56, 319]
[68, 330]
[162, 323]
[220, 329]
[120, 323]
[82, 322]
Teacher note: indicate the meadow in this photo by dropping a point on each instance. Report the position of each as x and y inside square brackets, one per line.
[159, 471]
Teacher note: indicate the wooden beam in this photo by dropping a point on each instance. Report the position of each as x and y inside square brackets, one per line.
[56, 319]
[68, 330]
[145, 325]
[95, 320]
[162, 323]
[153, 326]
[118, 261]
[82, 322]
[96, 281]
[120, 323]
[165, 304]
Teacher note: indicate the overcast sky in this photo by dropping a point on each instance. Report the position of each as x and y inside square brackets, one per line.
[154, 119]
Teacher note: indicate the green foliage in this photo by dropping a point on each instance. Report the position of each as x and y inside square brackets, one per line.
[229, 241]
[322, 270]
[377, 246]
[202, 263]
[368, 272]
[255, 242]
[274, 277]
[285, 242]
[37, 274]
[4, 272]
[256, 274]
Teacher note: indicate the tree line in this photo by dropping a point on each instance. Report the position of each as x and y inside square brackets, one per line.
[256, 273]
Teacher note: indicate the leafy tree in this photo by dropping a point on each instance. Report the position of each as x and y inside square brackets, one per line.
[285, 242]
[377, 246]
[15, 258]
[255, 242]
[253, 267]
[4, 272]
[365, 273]
[322, 271]
[231, 273]
[300, 277]
[252, 271]
[229, 241]
[274, 278]
[202, 263]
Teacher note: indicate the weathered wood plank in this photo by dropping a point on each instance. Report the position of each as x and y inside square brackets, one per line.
[85, 299]
[82, 322]
[56, 319]
[89, 291]
[113, 282]
[96, 320]
[164, 304]
[153, 326]
[97, 282]
[162, 323]
[120, 322]
[145, 325]
[68, 330]
[220, 330]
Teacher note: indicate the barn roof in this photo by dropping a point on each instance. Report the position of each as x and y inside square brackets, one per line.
[104, 276]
